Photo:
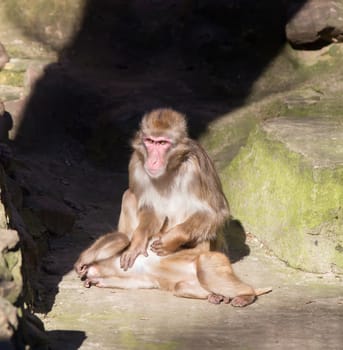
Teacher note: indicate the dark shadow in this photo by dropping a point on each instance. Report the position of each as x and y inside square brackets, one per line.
[6, 124]
[66, 340]
[198, 57]
[6, 345]
[235, 237]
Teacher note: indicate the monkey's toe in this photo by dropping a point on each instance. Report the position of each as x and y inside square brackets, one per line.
[242, 300]
[87, 283]
[156, 244]
[217, 299]
[80, 269]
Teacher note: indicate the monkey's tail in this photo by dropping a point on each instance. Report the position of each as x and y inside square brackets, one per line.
[261, 291]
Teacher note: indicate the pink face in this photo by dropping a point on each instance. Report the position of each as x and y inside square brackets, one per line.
[157, 148]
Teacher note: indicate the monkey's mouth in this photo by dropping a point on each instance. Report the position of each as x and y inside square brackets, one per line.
[152, 172]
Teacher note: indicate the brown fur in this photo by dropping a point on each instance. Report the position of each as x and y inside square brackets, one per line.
[164, 122]
[189, 174]
[190, 273]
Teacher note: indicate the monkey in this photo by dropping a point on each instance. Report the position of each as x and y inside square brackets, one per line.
[188, 273]
[172, 183]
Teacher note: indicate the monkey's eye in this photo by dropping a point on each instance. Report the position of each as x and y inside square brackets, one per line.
[162, 143]
[149, 141]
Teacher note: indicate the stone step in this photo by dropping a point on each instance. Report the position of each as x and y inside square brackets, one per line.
[23, 64]
[9, 92]
[286, 187]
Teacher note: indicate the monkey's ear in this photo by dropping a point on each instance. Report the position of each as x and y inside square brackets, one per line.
[136, 140]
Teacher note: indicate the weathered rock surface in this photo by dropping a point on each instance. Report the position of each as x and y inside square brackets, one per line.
[3, 56]
[8, 323]
[316, 22]
[47, 214]
[286, 186]
[36, 20]
[11, 283]
[18, 326]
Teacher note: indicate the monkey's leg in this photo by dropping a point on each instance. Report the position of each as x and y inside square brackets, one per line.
[215, 274]
[185, 233]
[148, 225]
[193, 289]
[120, 283]
[103, 275]
[138, 225]
[190, 289]
[105, 247]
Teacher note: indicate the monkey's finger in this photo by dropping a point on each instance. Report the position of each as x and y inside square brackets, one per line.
[123, 262]
[132, 259]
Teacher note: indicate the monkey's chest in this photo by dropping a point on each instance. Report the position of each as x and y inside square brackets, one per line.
[177, 206]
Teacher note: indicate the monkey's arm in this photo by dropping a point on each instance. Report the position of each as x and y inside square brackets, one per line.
[198, 228]
[148, 226]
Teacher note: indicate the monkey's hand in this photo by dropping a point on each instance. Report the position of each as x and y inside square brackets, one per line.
[130, 255]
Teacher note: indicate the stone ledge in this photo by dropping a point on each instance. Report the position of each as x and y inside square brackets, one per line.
[286, 187]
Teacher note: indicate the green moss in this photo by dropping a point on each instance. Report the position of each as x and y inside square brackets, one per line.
[14, 262]
[11, 78]
[338, 257]
[5, 274]
[292, 207]
[329, 106]
[227, 132]
[225, 137]
[130, 341]
[10, 270]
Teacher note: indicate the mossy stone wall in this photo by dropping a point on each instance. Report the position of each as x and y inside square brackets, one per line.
[294, 205]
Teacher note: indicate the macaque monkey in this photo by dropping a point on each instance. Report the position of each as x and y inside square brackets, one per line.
[188, 273]
[172, 184]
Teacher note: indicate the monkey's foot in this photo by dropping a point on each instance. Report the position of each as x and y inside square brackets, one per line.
[243, 300]
[217, 299]
[160, 248]
[89, 282]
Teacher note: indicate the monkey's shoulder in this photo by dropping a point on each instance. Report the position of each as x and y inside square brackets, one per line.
[200, 158]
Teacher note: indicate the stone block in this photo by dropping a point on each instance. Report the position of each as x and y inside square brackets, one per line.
[8, 323]
[316, 21]
[286, 187]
